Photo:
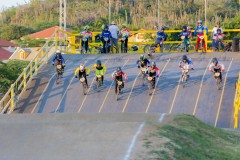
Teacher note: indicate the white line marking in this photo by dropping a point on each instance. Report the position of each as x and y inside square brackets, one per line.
[109, 90]
[162, 117]
[130, 148]
[150, 101]
[195, 108]
[56, 110]
[130, 93]
[220, 102]
[175, 96]
[88, 91]
[43, 93]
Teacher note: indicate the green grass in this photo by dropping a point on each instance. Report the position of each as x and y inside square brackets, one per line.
[187, 138]
[9, 72]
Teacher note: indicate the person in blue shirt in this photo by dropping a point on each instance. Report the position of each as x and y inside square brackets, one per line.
[199, 31]
[186, 34]
[58, 59]
[106, 34]
[161, 36]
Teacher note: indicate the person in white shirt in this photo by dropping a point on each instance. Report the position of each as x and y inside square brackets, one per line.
[113, 28]
[214, 33]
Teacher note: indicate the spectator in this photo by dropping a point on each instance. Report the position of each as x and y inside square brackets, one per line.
[113, 28]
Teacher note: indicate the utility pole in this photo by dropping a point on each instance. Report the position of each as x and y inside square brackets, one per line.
[62, 20]
[109, 11]
[158, 13]
[205, 12]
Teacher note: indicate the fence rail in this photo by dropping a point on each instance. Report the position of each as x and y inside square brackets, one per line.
[237, 103]
[9, 100]
[74, 41]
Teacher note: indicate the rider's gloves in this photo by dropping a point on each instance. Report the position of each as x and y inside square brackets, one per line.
[157, 76]
[53, 63]
[64, 65]
[138, 66]
[86, 74]
[222, 70]
[75, 76]
[180, 66]
[211, 70]
[192, 68]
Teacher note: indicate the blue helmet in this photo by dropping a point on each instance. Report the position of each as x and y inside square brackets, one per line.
[215, 60]
[106, 27]
[153, 64]
[184, 57]
[119, 69]
[99, 62]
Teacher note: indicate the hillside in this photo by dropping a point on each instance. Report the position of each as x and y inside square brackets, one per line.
[138, 13]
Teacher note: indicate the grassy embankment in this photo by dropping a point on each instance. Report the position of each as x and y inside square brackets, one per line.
[9, 72]
[187, 138]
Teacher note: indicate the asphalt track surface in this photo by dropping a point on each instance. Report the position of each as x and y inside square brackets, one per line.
[199, 97]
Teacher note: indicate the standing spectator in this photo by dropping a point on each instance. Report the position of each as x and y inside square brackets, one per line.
[113, 28]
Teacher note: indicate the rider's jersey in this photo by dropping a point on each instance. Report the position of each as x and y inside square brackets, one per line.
[184, 33]
[188, 65]
[125, 32]
[82, 73]
[99, 70]
[143, 63]
[161, 36]
[106, 34]
[60, 59]
[119, 77]
[219, 66]
[86, 34]
[153, 72]
[199, 30]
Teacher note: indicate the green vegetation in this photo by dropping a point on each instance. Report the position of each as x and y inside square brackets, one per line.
[10, 72]
[39, 15]
[187, 138]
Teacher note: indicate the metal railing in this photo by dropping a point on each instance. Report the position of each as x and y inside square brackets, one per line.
[9, 100]
[237, 103]
[73, 37]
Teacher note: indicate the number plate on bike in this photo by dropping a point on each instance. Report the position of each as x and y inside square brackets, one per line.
[119, 83]
[82, 79]
[150, 78]
[59, 66]
[217, 74]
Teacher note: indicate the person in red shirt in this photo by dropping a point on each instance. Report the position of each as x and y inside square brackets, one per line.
[118, 75]
[153, 72]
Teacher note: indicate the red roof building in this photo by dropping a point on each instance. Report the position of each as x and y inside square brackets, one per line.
[45, 34]
[4, 54]
[5, 43]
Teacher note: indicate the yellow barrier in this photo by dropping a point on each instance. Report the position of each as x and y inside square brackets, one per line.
[8, 102]
[237, 103]
[73, 37]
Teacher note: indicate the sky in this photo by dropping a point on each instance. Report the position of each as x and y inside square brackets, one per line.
[10, 3]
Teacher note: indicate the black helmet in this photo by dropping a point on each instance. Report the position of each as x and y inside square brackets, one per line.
[119, 69]
[184, 27]
[215, 60]
[105, 26]
[219, 30]
[184, 57]
[99, 62]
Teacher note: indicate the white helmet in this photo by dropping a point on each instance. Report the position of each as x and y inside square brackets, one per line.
[58, 52]
[81, 67]
[199, 21]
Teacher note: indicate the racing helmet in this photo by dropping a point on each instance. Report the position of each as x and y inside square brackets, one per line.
[184, 58]
[81, 67]
[119, 69]
[99, 62]
[215, 60]
[184, 27]
[142, 57]
[153, 64]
